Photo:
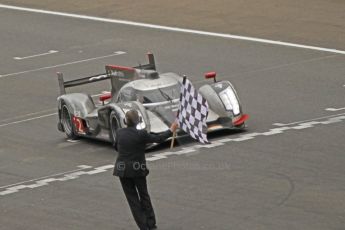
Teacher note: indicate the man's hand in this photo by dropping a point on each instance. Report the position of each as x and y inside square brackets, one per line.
[174, 126]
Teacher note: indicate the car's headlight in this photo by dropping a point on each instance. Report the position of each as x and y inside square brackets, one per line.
[141, 125]
[230, 101]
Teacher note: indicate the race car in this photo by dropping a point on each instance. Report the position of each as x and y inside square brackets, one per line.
[154, 95]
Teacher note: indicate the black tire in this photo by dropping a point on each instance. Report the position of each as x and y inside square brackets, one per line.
[66, 122]
[114, 125]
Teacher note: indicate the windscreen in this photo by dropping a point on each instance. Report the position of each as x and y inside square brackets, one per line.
[159, 95]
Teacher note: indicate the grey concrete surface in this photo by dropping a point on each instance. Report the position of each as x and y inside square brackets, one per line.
[294, 180]
[311, 22]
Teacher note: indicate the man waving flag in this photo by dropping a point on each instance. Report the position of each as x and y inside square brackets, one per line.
[193, 111]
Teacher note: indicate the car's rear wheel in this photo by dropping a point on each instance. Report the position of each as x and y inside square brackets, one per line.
[67, 123]
[114, 125]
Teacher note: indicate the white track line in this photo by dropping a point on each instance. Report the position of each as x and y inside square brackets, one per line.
[29, 119]
[38, 117]
[276, 67]
[334, 109]
[37, 55]
[27, 115]
[314, 119]
[64, 64]
[175, 29]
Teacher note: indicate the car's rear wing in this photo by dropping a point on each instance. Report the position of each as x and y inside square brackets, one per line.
[104, 76]
[81, 81]
[151, 65]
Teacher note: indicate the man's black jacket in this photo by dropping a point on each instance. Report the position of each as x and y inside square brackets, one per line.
[130, 145]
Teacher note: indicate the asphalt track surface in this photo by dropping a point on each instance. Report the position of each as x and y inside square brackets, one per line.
[285, 172]
[312, 22]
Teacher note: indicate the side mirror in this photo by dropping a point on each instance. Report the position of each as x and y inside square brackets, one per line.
[211, 75]
[104, 97]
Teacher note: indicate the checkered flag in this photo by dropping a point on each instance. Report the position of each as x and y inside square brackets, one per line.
[193, 111]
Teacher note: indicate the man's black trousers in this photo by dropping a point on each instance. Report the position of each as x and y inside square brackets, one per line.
[139, 201]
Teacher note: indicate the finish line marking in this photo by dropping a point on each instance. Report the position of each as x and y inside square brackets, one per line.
[174, 29]
[36, 55]
[79, 166]
[43, 181]
[21, 186]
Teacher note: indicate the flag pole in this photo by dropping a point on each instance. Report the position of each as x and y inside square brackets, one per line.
[173, 140]
[178, 111]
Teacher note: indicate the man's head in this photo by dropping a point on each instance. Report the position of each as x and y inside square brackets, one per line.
[132, 118]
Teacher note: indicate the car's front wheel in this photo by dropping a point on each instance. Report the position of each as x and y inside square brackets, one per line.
[114, 125]
[67, 123]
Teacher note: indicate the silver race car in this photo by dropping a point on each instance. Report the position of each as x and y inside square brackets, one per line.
[154, 95]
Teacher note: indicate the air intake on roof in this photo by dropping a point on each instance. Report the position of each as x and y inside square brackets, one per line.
[151, 74]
